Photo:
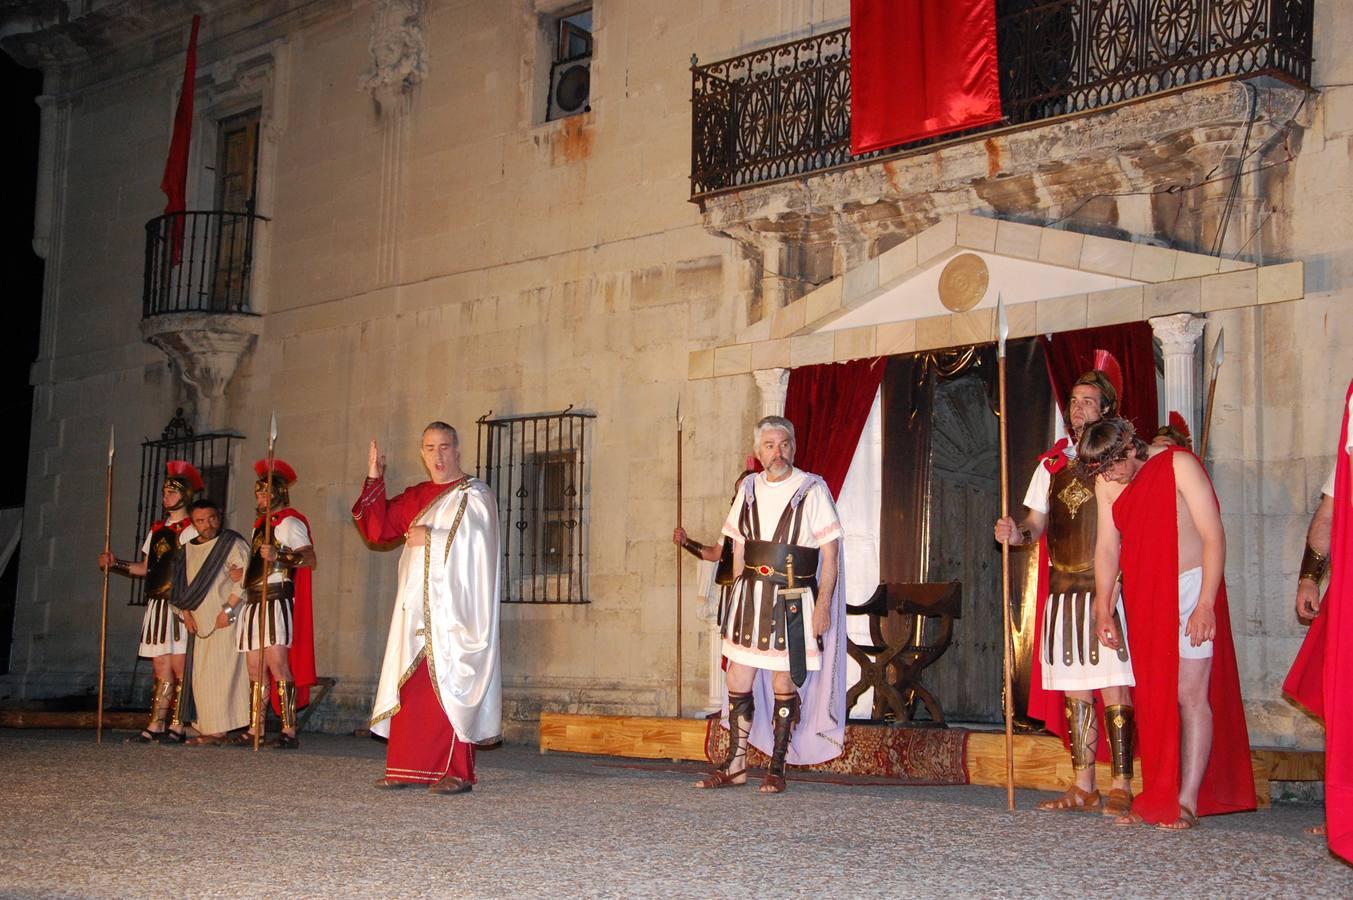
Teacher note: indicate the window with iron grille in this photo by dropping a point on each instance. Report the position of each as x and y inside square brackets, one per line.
[210, 453]
[537, 466]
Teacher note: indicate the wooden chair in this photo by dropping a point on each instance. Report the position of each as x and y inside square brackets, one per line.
[910, 626]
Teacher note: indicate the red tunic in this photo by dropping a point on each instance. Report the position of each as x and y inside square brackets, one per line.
[1322, 675]
[423, 747]
[1146, 517]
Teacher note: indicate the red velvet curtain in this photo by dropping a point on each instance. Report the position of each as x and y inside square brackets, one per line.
[919, 68]
[829, 405]
[1072, 353]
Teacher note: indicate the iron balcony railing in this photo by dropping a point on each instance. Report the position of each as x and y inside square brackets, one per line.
[211, 269]
[784, 111]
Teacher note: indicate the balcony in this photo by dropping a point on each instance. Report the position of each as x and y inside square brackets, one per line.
[214, 263]
[784, 112]
[195, 302]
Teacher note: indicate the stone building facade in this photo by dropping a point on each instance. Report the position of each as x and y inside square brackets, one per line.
[435, 247]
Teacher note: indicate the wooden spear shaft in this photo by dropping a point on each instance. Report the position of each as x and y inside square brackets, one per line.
[678, 564]
[1207, 415]
[267, 570]
[103, 619]
[1005, 595]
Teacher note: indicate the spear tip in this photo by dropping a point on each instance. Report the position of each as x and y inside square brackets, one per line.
[111, 442]
[1002, 326]
[272, 428]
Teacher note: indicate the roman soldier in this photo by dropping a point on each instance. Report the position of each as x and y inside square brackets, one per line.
[275, 628]
[164, 640]
[1069, 664]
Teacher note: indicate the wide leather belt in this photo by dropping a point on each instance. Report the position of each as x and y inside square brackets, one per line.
[284, 591]
[765, 561]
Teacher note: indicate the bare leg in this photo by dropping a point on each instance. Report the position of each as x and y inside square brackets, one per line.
[1195, 730]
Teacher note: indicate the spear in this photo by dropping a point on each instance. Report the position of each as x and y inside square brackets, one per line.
[1218, 349]
[267, 570]
[103, 624]
[679, 426]
[1003, 330]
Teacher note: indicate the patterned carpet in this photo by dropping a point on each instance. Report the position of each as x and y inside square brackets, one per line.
[914, 756]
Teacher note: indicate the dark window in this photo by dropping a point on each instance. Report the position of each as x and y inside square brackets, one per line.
[537, 467]
[210, 453]
[571, 65]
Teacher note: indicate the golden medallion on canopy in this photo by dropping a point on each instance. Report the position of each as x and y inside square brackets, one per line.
[963, 283]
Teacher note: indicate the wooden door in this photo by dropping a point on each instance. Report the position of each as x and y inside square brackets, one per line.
[964, 502]
[236, 189]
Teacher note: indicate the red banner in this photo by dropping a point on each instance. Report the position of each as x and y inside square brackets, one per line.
[174, 182]
[919, 68]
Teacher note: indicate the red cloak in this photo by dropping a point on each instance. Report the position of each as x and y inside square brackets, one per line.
[1320, 677]
[301, 655]
[1146, 517]
[1047, 705]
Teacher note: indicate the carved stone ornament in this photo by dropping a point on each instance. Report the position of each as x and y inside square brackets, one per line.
[398, 51]
[963, 283]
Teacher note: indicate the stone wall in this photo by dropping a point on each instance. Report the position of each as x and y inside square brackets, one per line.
[439, 252]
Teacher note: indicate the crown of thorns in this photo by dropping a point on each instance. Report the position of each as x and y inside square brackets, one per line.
[1115, 452]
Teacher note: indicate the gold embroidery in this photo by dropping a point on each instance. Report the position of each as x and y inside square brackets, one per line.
[427, 600]
[1074, 496]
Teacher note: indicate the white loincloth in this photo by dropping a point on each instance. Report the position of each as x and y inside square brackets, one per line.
[1190, 590]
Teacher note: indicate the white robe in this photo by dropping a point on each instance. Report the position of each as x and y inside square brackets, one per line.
[220, 678]
[450, 594]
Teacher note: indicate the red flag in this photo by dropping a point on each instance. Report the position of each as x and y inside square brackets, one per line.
[919, 68]
[174, 182]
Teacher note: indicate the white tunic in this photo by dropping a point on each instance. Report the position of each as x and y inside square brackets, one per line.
[447, 609]
[220, 679]
[820, 526]
[161, 630]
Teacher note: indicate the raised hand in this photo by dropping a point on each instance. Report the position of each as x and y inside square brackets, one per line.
[375, 462]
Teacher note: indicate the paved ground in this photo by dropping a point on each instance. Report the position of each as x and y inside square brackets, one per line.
[122, 820]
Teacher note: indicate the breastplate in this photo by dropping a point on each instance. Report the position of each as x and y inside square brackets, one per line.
[164, 541]
[1071, 530]
[255, 576]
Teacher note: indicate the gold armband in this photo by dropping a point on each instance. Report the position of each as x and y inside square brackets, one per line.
[1313, 565]
[289, 557]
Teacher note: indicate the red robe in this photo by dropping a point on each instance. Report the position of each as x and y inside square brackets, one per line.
[301, 654]
[1146, 517]
[1321, 677]
[422, 747]
[1048, 705]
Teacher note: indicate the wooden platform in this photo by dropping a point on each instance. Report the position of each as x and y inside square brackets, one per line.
[1041, 763]
[133, 720]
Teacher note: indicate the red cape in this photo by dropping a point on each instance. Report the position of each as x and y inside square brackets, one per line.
[1145, 514]
[301, 656]
[1320, 677]
[1044, 704]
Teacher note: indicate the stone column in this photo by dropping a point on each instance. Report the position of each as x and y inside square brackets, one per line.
[1178, 335]
[774, 387]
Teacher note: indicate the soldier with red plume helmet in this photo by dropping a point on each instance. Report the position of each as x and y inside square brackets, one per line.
[164, 638]
[1069, 665]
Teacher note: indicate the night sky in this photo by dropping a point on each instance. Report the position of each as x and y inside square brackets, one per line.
[22, 272]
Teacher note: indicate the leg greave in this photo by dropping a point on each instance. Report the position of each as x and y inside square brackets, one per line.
[176, 720]
[786, 717]
[286, 701]
[160, 693]
[1120, 726]
[740, 710]
[1080, 720]
[256, 707]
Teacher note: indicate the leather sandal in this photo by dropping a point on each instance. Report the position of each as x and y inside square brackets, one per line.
[1187, 820]
[146, 737]
[1073, 799]
[285, 741]
[721, 779]
[390, 784]
[173, 737]
[1117, 802]
[450, 784]
[240, 739]
[772, 784]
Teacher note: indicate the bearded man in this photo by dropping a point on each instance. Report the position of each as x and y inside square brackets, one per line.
[1069, 666]
[784, 623]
